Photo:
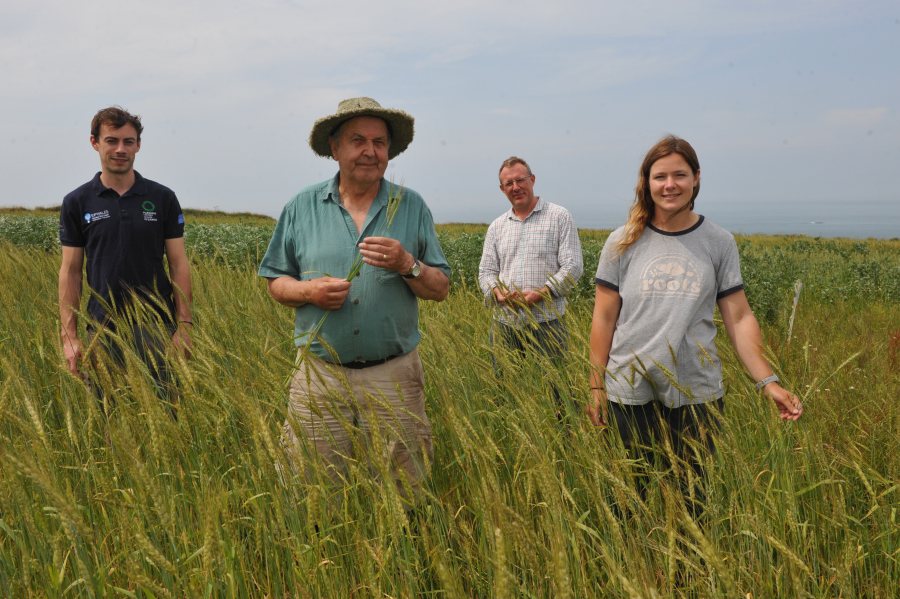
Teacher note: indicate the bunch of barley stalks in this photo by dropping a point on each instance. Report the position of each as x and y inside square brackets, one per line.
[129, 501]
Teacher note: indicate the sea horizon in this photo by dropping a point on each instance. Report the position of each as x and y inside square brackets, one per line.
[857, 219]
[861, 219]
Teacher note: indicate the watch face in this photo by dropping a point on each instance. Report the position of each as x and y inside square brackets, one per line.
[415, 271]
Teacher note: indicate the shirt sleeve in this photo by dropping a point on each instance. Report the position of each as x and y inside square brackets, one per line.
[70, 232]
[728, 273]
[281, 258]
[433, 254]
[489, 267]
[608, 272]
[174, 225]
[571, 262]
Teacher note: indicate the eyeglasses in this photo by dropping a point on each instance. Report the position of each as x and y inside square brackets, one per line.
[513, 182]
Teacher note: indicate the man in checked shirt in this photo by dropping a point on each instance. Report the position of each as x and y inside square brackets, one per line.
[530, 262]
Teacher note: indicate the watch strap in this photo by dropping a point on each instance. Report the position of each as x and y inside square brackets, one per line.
[772, 378]
[415, 271]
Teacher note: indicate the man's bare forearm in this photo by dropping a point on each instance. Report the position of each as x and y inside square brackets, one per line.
[431, 284]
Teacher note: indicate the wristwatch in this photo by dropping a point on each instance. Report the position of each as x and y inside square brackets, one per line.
[772, 378]
[415, 271]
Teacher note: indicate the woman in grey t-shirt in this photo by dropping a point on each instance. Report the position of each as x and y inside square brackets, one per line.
[660, 277]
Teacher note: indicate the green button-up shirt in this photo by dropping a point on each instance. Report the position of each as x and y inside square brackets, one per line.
[316, 237]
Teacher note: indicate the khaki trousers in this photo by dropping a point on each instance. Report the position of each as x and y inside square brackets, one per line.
[374, 415]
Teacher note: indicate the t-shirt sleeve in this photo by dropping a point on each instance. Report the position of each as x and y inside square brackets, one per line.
[70, 232]
[281, 257]
[174, 225]
[608, 273]
[728, 273]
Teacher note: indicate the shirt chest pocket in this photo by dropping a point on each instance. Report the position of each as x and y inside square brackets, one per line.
[541, 245]
[329, 256]
[411, 245]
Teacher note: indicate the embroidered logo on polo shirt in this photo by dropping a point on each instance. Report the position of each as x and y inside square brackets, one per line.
[90, 217]
[149, 211]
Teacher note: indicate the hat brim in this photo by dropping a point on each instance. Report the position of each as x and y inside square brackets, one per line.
[400, 124]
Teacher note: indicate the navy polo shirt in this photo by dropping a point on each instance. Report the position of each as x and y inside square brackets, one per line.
[124, 242]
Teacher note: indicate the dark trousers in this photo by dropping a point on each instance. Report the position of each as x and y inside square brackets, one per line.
[549, 339]
[149, 341]
[675, 440]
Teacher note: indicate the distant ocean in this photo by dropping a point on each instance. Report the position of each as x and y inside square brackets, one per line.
[853, 218]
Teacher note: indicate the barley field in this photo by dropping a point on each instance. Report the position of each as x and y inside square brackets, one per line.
[134, 503]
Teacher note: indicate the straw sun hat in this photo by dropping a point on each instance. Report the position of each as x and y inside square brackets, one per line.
[400, 125]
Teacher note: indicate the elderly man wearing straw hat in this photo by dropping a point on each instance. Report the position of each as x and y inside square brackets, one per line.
[353, 254]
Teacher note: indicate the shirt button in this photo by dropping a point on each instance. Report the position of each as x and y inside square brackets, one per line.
[356, 331]
[356, 302]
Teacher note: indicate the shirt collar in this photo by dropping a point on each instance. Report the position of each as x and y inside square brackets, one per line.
[332, 192]
[510, 215]
[138, 188]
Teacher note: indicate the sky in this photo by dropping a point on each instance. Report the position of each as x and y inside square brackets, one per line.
[792, 105]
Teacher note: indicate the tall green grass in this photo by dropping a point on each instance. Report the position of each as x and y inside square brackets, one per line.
[134, 503]
[832, 270]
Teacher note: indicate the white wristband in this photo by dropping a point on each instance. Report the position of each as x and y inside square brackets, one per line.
[772, 378]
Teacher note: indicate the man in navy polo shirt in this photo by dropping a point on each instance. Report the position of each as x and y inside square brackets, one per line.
[123, 224]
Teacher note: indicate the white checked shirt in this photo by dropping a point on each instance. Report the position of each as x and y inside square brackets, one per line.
[543, 249]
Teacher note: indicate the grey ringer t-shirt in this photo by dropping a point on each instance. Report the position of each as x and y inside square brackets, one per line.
[663, 348]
